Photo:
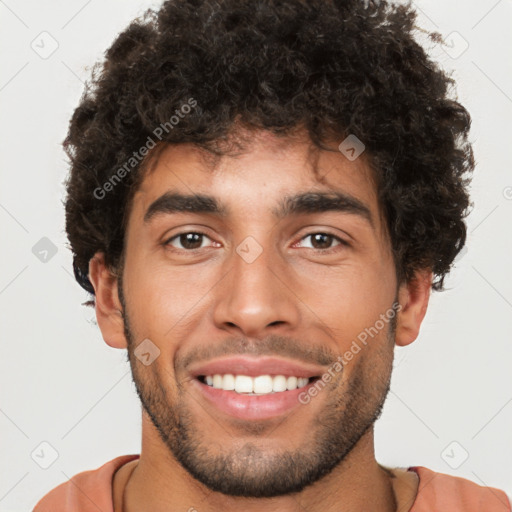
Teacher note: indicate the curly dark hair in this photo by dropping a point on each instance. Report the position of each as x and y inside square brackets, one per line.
[330, 66]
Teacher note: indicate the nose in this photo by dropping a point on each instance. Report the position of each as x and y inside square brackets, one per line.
[256, 296]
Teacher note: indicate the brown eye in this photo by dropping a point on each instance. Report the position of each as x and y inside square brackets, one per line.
[187, 241]
[323, 241]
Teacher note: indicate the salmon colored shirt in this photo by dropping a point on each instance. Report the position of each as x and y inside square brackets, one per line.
[91, 491]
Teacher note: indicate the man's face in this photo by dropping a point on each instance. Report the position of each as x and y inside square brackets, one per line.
[259, 294]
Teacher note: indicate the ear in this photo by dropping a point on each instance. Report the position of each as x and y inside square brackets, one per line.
[109, 311]
[413, 297]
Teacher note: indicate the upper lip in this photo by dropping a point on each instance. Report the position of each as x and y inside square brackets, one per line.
[254, 366]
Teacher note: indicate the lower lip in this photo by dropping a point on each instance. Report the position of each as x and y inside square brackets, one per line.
[251, 407]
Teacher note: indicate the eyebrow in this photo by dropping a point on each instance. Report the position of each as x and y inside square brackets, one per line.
[303, 203]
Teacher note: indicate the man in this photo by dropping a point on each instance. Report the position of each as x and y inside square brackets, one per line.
[262, 196]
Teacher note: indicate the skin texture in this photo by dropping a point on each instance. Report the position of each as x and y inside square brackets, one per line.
[293, 296]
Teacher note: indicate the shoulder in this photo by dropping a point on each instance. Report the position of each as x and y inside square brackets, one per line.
[442, 492]
[85, 492]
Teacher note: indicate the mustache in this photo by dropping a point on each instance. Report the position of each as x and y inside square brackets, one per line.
[272, 345]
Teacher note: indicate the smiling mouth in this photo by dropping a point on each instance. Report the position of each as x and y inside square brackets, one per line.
[255, 386]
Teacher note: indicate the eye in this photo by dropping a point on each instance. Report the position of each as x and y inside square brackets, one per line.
[192, 240]
[323, 241]
[187, 241]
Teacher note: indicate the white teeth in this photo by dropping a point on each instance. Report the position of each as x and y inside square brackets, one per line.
[217, 381]
[260, 385]
[279, 383]
[291, 383]
[228, 382]
[243, 384]
[302, 381]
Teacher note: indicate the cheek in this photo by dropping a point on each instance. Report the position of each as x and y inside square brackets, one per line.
[349, 301]
[162, 299]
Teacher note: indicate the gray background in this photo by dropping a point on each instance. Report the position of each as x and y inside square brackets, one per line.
[61, 384]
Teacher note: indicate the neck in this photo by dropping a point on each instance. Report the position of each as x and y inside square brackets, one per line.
[159, 483]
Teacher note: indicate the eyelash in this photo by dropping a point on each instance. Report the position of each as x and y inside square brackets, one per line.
[324, 251]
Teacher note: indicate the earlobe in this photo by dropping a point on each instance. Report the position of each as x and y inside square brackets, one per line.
[413, 297]
[109, 313]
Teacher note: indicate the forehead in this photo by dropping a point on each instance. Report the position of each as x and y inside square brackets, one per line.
[253, 181]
